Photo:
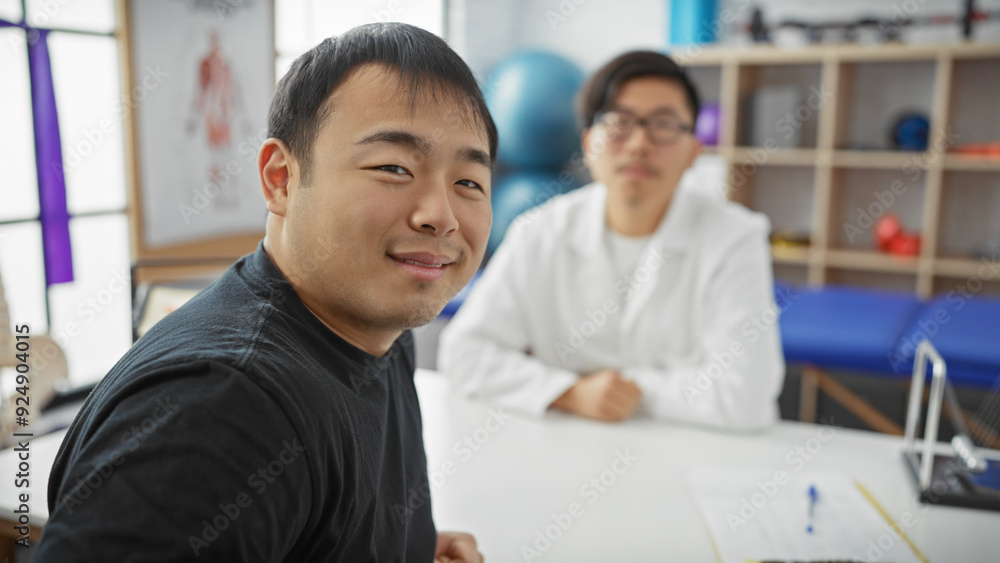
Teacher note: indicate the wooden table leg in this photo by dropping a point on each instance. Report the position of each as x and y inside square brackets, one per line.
[858, 406]
[808, 392]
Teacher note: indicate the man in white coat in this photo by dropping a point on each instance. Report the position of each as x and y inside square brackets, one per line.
[628, 295]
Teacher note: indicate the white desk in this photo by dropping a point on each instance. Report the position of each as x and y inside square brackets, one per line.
[529, 468]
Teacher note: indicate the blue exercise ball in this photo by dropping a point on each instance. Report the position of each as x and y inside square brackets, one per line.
[531, 97]
[518, 192]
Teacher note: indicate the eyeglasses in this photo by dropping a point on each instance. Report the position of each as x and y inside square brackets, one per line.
[661, 129]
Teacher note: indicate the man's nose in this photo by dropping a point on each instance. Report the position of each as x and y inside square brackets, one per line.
[638, 138]
[433, 212]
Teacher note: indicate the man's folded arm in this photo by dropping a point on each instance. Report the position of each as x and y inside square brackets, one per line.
[736, 383]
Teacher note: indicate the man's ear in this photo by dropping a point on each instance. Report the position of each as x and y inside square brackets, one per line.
[694, 154]
[279, 174]
[585, 138]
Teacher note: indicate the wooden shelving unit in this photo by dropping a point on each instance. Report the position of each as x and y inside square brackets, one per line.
[843, 171]
[962, 162]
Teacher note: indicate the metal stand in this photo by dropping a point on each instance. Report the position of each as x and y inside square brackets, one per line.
[966, 479]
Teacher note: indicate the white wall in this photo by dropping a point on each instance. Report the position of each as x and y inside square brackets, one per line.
[486, 32]
[588, 32]
[595, 31]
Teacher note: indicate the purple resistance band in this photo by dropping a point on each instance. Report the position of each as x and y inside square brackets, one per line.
[53, 214]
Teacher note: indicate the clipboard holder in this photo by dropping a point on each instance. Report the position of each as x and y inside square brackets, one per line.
[965, 478]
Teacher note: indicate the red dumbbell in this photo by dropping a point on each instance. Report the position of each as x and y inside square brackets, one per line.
[891, 238]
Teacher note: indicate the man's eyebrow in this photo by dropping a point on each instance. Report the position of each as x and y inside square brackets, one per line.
[475, 156]
[400, 138]
[418, 143]
[656, 112]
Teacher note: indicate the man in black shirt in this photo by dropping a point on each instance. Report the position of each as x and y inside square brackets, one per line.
[274, 417]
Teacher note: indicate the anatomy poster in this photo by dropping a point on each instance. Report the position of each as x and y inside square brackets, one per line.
[201, 77]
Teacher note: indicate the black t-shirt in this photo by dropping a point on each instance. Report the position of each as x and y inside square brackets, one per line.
[240, 428]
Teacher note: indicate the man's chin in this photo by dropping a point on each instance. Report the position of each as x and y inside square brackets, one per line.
[413, 316]
[412, 309]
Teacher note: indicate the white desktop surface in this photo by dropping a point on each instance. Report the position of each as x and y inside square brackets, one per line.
[532, 467]
[529, 468]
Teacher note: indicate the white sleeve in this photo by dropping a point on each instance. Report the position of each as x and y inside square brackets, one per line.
[484, 350]
[736, 384]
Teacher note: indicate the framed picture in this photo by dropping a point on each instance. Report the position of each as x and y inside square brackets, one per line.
[198, 77]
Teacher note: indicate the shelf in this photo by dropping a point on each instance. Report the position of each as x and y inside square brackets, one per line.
[838, 172]
[881, 159]
[708, 81]
[888, 281]
[961, 287]
[770, 54]
[790, 254]
[962, 267]
[860, 196]
[784, 193]
[970, 162]
[761, 156]
[892, 160]
[795, 274]
[974, 115]
[871, 261]
[778, 105]
[968, 212]
[876, 95]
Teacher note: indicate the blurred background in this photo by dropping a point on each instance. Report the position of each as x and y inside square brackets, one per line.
[100, 99]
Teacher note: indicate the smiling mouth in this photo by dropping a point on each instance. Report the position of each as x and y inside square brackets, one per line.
[422, 266]
[415, 263]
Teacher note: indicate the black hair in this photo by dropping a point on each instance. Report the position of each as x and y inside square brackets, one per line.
[601, 89]
[422, 59]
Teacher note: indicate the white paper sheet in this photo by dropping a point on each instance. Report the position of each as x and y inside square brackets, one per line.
[762, 515]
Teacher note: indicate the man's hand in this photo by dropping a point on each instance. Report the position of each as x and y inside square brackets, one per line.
[456, 547]
[602, 395]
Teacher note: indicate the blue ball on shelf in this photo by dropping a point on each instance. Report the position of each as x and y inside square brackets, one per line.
[530, 96]
[910, 132]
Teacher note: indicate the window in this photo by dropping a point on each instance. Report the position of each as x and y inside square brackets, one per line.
[90, 322]
[301, 24]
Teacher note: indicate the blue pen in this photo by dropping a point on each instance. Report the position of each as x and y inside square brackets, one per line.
[813, 497]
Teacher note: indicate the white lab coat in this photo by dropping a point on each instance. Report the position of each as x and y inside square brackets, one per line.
[697, 333]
